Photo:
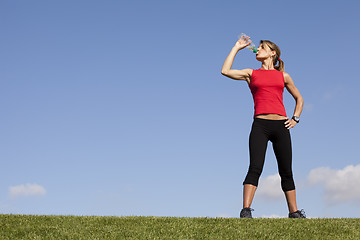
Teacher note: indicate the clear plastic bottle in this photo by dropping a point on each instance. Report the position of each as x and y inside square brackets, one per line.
[252, 46]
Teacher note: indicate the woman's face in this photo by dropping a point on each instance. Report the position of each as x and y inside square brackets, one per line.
[264, 52]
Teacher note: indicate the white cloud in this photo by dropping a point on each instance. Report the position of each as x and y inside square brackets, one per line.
[270, 188]
[273, 216]
[333, 93]
[339, 185]
[26, 190]
[308, 107]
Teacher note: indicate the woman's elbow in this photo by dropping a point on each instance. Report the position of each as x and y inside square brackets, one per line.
[300, 100]
[225, 72]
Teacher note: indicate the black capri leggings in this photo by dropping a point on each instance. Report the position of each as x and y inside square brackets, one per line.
[262, 131]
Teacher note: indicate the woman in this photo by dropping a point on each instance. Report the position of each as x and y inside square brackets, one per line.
[270, 120]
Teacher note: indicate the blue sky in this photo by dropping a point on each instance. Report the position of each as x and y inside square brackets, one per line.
[119, 108]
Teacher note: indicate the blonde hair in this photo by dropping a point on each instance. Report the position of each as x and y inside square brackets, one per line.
[276, 59]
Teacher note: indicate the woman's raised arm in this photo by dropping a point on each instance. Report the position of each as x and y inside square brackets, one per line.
[226, 70]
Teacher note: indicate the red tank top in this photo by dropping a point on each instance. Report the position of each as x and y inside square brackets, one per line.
[267, 88]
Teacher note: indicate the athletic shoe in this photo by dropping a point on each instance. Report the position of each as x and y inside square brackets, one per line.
[298, 214]
[246, 213]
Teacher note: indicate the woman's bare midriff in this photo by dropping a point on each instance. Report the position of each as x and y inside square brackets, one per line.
[271, 117]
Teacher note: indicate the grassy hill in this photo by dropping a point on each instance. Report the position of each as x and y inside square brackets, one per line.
[92, 227]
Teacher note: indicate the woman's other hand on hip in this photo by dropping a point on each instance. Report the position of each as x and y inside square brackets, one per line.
[290, 123]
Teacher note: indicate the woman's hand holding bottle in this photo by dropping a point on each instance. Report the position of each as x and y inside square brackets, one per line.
[243, 42]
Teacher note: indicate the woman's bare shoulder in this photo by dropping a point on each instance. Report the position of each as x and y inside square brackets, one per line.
[286, 74]
[287, 77]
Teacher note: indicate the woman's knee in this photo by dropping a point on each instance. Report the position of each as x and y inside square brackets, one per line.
[253, 176]
[287, 182]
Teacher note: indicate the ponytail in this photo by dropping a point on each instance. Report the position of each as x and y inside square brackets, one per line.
[280, 67]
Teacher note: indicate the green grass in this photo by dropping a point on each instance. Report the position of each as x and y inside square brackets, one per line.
[92, 227]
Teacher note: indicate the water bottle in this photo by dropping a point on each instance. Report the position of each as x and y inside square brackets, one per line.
[251, 47]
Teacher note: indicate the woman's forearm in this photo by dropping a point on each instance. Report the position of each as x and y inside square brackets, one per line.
[229, 60]
[299, 106]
